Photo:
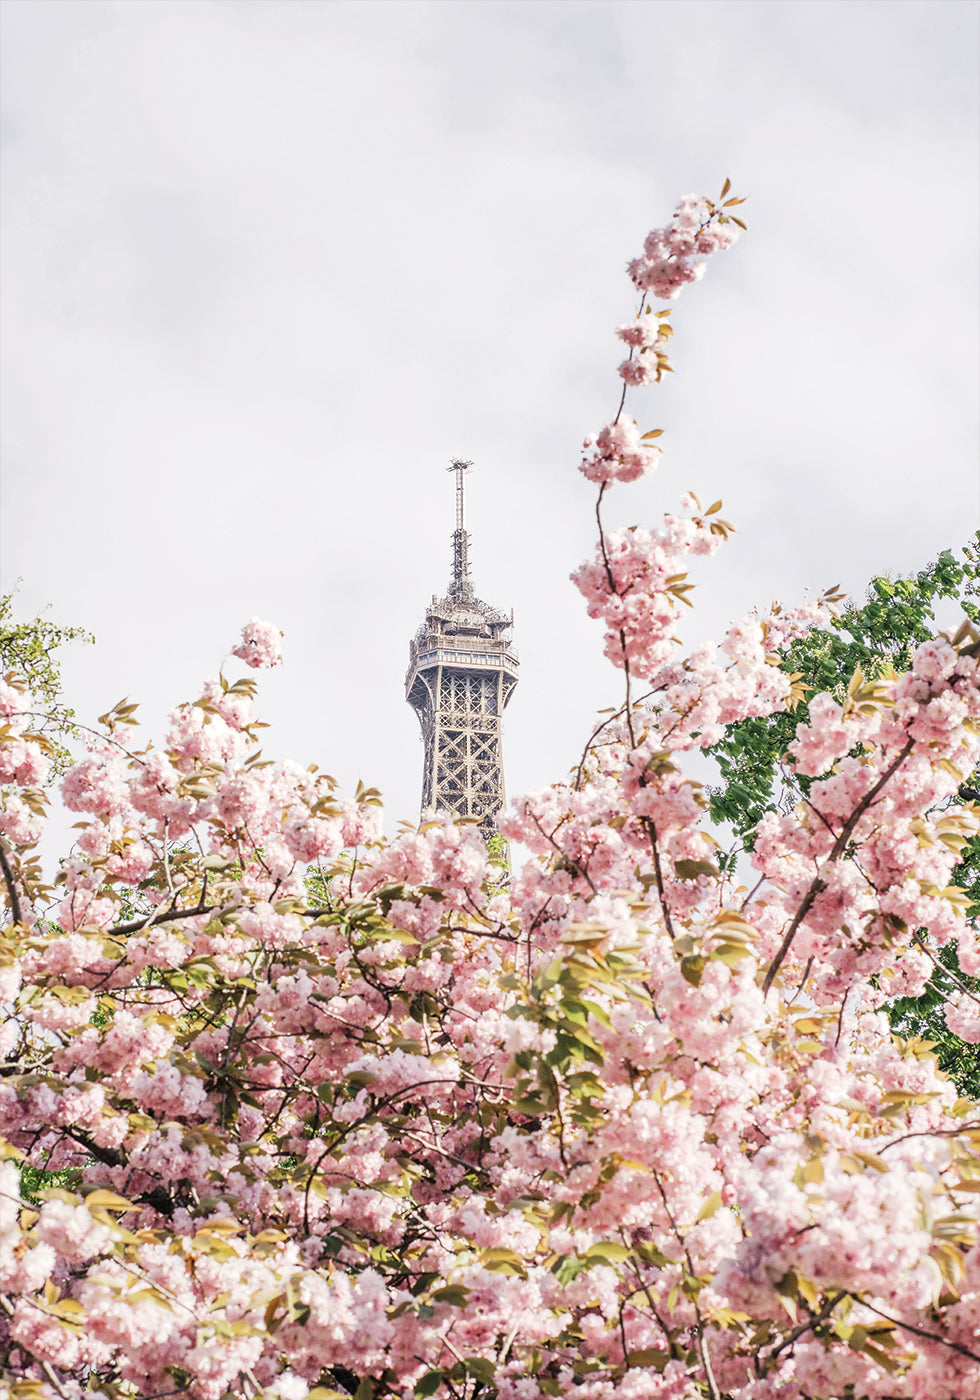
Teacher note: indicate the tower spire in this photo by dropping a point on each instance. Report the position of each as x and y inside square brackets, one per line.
[461, 587]
[462, 671]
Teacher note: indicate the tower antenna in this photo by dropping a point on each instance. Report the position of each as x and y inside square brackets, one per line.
[461, 586]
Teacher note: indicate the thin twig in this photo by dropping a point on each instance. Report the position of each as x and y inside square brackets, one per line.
[969, 1127]
[48, 1370]
[953, 976]
[575, 865]
[602, 540]
[629, 703]
[918, 1331]
[699, 1343]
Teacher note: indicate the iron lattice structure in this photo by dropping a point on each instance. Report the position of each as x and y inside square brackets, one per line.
[462, 672]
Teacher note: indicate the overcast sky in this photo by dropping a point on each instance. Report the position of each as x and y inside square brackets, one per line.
[269, 264]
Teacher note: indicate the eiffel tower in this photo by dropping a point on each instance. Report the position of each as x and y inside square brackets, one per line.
[462, 672]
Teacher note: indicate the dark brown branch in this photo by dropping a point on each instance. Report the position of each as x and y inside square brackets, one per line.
[108, 1156]
[970, 1126]
[168, 916]
[610, 719]
[602, 540]
[629, 681]
[376, 1107]
[8, 876]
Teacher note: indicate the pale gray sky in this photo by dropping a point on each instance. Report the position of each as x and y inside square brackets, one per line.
[268, 266]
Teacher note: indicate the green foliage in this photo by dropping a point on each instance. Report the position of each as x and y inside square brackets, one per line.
[34, 1180]
[883, 633]
[318, 892]
[29, 650]
[879, 635]
[497, 850]
[499, 854]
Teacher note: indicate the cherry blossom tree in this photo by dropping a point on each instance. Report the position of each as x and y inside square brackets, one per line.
[340, 1116]
[879, 634]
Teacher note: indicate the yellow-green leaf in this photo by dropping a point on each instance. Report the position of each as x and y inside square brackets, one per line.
[710, 1206]
[610, 1250]
[107, 1200]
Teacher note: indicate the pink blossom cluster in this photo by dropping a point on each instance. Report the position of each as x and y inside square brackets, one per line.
[675, 255]
[24, 764]
[692, 700]
[962, 1014]
[648, 337]
[618, 453]
[259, 646]
[345, 1116]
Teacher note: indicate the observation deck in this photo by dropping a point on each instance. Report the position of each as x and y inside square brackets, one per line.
[464, 639]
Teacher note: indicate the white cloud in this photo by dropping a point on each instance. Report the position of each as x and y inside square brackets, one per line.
[268, 266]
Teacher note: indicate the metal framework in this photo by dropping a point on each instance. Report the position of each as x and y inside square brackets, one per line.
[462, 672]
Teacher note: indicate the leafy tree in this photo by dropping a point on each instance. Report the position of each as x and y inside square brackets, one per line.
[29, 654]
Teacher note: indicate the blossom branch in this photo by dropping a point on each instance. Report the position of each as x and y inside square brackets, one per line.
[840, 845]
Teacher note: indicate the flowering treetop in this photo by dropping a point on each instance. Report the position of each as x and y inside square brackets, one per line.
[336, 1116]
